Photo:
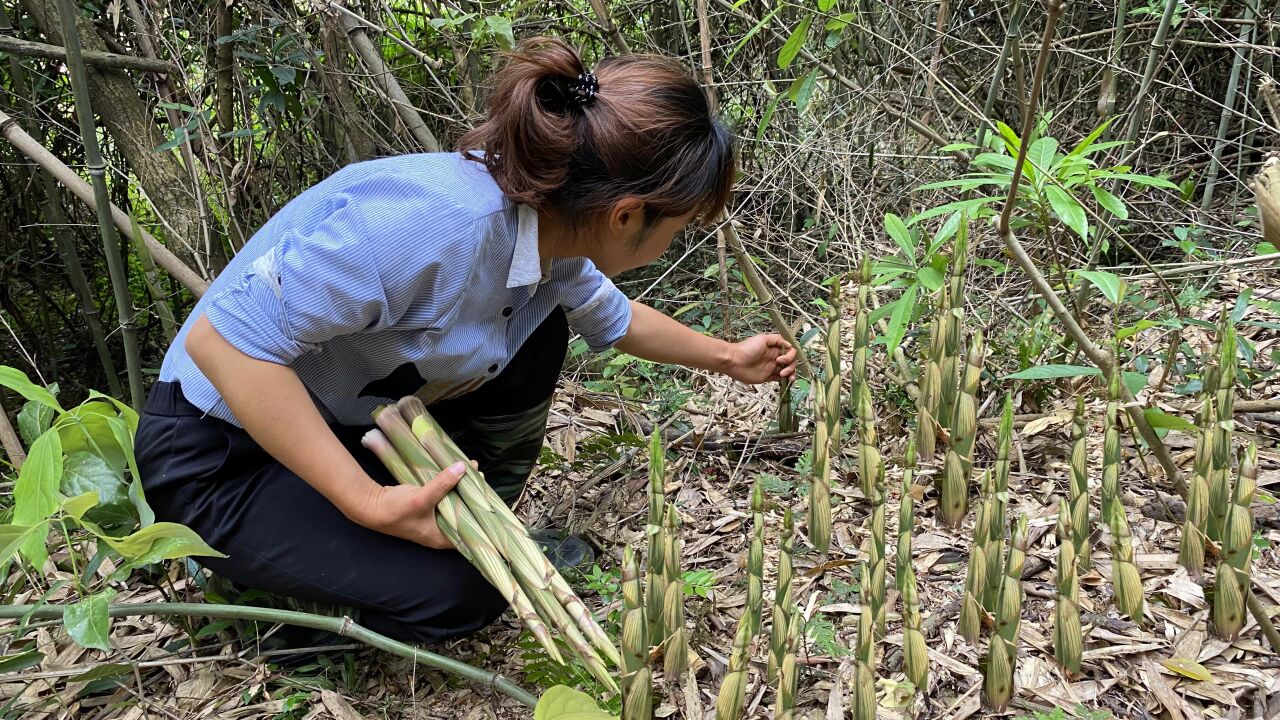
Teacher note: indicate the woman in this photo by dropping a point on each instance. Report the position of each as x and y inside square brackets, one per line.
[453, 276]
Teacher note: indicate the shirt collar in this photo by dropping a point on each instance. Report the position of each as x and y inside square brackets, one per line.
[527, 266]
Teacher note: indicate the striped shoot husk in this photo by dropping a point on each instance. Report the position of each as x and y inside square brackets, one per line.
[1068, 638]
[785, 700]
[819, 521]
[1231, 585]
[1111, 453]
[1079, 504]
[733, 688]
[1220, 476]
[972, 608]
[877, 559]
[637, 680]
[675, 657]
[782, 599]
[953, 499]
[655, 587]
[833, 376]
[930, 383]
[1003, 655]
[755, 561]
[863, 687]
[1191, 545]
[915, 654]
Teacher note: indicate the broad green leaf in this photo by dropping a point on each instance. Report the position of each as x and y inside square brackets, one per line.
[129, 414]
[968, 204]
[898, 231]
[1041, 153]
[161, 541]
[945, 233]
[500, 26]
[1141, 180]
[1135, 381]
[77, 506]
[1012, 141]
[87, 622]
[903, 308]
[839, 22]
[1110, 202]
[1110, 284]
[1068, 210]
[1188, 669]
[1050, 372]
[995, 161]
[1157, 418]
[794, 44]
[953, 147]
[752, 32]
[930, 277]
[1266, 248]
[35, 496]
[565, 703]
[802, 90]
[34, 419]
[84, 472]
[17, 381]
[87, 427]
[11, 539]
[826, 5]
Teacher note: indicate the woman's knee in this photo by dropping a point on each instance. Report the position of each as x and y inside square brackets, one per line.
[444, 606]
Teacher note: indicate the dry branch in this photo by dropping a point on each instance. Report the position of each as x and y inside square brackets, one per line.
[97, 58]
[36, 152]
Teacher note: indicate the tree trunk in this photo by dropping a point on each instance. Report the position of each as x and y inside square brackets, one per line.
[132, 127]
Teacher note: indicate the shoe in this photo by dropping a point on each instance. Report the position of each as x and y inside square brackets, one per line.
[565, 551]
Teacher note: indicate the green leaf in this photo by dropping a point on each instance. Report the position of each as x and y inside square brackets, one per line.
[1141, 180]
[1157, 418]
[1188, 668]
[500, 27]
[794, 44]
[179, 137]
[1135, 381]
[768, 116]
[105, 670]
[1092, 137]
[752, 32]
[84, 472]
[20, 661]
[839, 22]
[34, 419]
[1068, 210]
[76, 507]
[931, 278]
[1266, 248]
[967, 204]
[36, 495]
[1041, 153]
[953, 147]
[898, 231]
[284, 74]
[903, 308]
[1110, 284]
[161, 541]
[87, 622]
[12, 538]
[802, 90]
[1050, 372]
[87, 427]
[17, 381]
[1110, 202]
[565, 703]
[826, 5]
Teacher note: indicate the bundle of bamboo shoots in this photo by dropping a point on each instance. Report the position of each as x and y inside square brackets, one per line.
[414, 448]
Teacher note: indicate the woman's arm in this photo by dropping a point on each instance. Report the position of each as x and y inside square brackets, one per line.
[654, 336]
[274, 407]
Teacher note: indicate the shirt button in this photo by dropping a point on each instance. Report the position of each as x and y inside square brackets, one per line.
[493, 368]
[506, 312]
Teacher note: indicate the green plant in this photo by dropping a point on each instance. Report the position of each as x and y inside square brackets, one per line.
[919, 270]
[1232, 581]
[1003, 656]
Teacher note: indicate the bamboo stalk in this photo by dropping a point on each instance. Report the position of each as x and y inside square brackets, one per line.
[1068, 637]
[755, 561]
[977, 576]
[27, 48]
[152, 280]
[1107, 96]
[1142, 102]
[954, 499]
[1228, 111]
[1016, 13]
[819, 525]
[785, 705]
[67, 12]
[1232, 582]
[1003, 656]
[733, 687]
[863, 688]
[675, 655]
[915, 654]
[783, 601]
[1079, 504]
[637, 682]
[654, 586]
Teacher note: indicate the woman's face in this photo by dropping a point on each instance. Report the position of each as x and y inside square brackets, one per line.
[626, 244]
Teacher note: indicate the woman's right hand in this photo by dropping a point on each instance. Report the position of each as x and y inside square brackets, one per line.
[409, 511]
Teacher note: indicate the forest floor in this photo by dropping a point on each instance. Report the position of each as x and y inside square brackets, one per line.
[1169, 666]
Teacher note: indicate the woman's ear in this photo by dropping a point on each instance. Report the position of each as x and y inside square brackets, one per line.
[625, 217]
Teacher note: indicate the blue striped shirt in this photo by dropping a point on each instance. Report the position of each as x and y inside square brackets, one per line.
[415, 259]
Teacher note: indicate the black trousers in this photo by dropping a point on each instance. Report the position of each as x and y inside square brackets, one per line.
[283, 537]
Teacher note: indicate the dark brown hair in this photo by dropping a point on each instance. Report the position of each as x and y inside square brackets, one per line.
[649, 134]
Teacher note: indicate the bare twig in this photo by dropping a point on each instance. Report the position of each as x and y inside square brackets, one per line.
[10, 442]
[97, 58]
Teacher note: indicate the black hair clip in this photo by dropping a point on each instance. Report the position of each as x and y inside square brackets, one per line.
[582, 91]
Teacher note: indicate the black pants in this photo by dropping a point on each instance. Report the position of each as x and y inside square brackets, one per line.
[284, 537]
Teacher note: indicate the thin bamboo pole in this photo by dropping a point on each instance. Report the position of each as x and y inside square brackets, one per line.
[1228, 112]
[338, 625]
[28, 146]
[1016, 13]
[1142, 102]
[28, 48]
[67, 13]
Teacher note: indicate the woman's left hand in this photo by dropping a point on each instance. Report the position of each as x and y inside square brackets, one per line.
[763, 358]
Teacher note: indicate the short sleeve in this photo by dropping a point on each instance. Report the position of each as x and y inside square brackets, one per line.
[379, 248]
[596, 309]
